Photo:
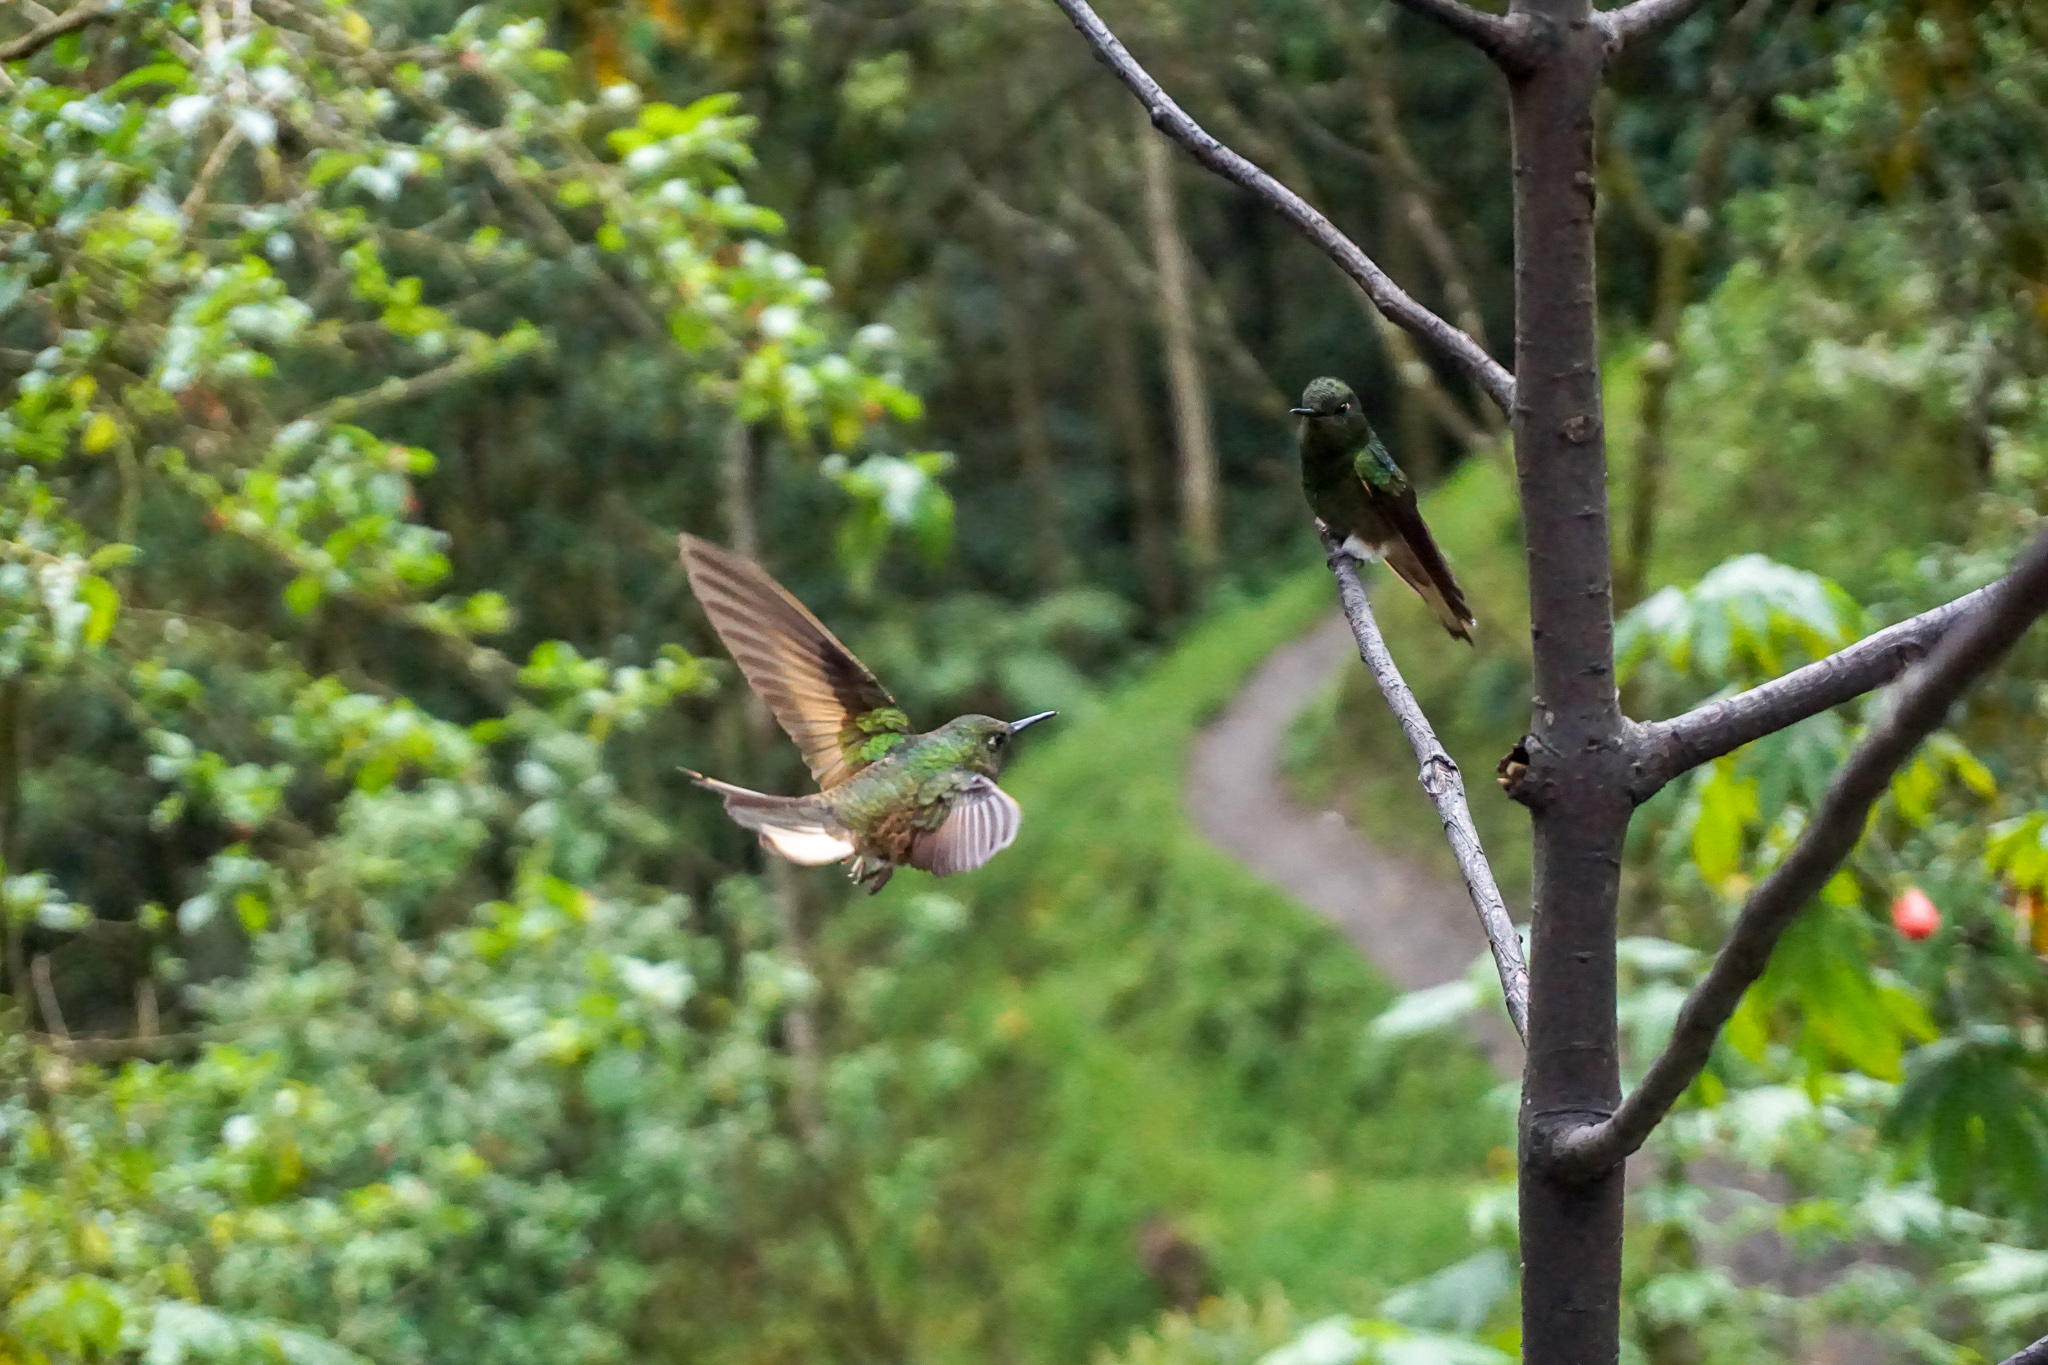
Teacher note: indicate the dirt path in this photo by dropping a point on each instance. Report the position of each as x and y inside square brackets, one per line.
[1410, 923]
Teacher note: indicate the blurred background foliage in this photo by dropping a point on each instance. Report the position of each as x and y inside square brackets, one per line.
[377, 991]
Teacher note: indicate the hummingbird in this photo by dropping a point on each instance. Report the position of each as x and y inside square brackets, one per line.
[887, 797]
[1359, 494]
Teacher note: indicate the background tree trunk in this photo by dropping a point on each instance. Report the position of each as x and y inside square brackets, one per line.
[1123, 398]
[1193, 437]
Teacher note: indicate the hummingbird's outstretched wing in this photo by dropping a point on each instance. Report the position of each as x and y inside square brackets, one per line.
[820, 694]
[982, 822]
[1414, 555]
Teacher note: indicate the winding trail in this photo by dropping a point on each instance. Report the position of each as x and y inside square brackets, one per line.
[1413, 925]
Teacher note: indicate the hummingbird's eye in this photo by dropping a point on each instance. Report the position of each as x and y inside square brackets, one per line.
[995, 741]
[1343, 408]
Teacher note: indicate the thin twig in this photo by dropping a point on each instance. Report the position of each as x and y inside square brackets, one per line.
[1440, 778]
[1666, 749]
[1468, 355]
[1922, 704]
[42, 35]
[1643, 20]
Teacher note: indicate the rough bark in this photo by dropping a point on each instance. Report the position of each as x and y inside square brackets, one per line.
[1575, 781]
[1194, 441]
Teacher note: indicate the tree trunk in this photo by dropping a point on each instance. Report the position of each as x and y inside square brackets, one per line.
[799, 1024]
[1035, 460]
[1576, 782]
[1196, 443]
[1123, 397]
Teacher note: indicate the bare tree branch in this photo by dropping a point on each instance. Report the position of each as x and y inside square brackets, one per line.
[46, 996]
[1666, 749]
[1387, 296]
[2037, 1354]
[42, 35]
[1498, 38]
[1922, 704]
[1441, 779]
[1643, 20]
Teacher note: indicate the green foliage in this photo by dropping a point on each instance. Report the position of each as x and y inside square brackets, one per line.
[1139, 1014]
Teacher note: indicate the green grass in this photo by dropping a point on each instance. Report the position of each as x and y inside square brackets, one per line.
[1165, 1033]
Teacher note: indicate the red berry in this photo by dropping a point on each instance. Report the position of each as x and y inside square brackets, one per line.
[1914, 915]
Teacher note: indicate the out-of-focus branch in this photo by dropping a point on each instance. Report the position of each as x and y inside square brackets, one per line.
[1467, 354]
[1498, 38]
[1108, 239]
[1441, 780]
[43, 34]
[1680, 244]
[1978, 642]
[1643, 20]
[350, 406]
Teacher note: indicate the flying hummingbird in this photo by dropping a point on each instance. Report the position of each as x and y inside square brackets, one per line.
[1359, 493]
[886, 797]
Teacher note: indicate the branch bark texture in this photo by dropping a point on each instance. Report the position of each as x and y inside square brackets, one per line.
[2037, 1354]
[1667, 749]
[1922, 704]
[1576, 782]
[1460, 349]
[1442, 781]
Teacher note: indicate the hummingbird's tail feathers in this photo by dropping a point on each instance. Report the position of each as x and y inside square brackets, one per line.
[982, 822]
[818, 692]
[1421, 566]
[796, 827]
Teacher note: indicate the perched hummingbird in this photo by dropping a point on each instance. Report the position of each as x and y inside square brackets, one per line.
[887, 797]
[1361, 495]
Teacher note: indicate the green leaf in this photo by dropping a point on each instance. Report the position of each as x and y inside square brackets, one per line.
[303, 594]
[104, 608]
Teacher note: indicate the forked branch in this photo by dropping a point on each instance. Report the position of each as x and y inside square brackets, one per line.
[1441, 779]
[1667, 749]
[1464, 352]
[1991, 628]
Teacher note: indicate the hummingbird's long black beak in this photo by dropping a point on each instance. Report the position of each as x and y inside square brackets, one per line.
[1017, 725]
[1303, 412]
